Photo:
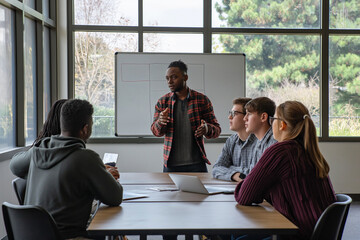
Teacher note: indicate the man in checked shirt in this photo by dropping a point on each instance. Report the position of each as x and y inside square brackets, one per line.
[184, 116]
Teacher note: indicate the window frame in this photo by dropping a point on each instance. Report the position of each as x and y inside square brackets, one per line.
[207, 30]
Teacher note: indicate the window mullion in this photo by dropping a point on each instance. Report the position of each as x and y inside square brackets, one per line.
[324, 84]
[20, 79]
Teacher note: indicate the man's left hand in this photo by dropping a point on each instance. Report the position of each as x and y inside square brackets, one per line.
[201, 130]
[113, 171]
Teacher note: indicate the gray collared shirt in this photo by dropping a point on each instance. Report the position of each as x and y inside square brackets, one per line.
[241, 156]
[236, 156]
[262, 145]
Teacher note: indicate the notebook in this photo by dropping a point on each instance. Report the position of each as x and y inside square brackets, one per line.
[193, 184]
[130, 195]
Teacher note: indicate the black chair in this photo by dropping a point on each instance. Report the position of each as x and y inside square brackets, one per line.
[330, 225]
[19, 185]
[29, 222]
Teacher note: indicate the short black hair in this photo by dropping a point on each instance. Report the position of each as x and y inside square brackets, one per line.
[75, 114]
[179, 64]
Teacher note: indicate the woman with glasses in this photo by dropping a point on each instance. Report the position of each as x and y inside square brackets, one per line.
[292, 174]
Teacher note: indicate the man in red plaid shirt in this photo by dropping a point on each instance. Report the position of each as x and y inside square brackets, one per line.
[184, 116]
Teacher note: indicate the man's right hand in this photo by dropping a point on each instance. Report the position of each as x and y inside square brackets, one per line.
[164, 117]
[236, 177]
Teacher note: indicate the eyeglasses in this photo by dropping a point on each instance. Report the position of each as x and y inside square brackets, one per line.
[234, 113]
[272, 119]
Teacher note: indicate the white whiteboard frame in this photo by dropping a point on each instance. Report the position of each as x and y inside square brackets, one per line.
[231, 84]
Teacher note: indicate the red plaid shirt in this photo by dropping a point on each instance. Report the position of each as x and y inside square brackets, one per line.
[199, 108]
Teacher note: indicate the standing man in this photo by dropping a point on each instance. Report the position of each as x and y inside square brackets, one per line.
[184, 116]
[236, 156]
[63, 176]
[257, 122]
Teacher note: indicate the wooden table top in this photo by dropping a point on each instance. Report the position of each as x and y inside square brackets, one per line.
[184, 213]
[189, 218]
[163, 178]
[175, 196]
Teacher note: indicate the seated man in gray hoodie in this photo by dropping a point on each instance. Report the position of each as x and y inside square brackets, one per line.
[63, 176]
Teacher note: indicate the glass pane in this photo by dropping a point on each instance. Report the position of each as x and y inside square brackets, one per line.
[46, 7]
[30, 81]
[94, 74]
[47, 70]
[345, 14]
[7, 80]
[189, 13]
[266, 14]
[30, 3]
[281, 67]
[105, 12]
[179, 43]
[344, 86]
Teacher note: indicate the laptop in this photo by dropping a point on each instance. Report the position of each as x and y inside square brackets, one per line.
[193, 184]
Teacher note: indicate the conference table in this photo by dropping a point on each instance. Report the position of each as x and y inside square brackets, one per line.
[182, 213]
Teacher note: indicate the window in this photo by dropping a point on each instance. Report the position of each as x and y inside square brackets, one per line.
[344, 84]
[104, 12]
[46, 9]
[94, 73]
[173, 13]
[266, 14]
[344, 14]
[173, 42]
[281, 67]
[299, 50]
[30, 3]
[30, 81]
[7, 81]
[47, 73]
[27, 69]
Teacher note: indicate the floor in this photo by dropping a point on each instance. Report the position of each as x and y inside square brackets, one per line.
[351, 231]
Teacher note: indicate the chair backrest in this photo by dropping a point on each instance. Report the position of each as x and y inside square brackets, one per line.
[331, 223]
[19, 185]
[29, 222]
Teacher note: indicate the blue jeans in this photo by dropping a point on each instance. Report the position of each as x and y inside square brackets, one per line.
[199, 167]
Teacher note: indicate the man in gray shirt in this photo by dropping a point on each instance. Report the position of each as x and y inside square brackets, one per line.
[237, 153]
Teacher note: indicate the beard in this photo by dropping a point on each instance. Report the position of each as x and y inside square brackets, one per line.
[178, 89]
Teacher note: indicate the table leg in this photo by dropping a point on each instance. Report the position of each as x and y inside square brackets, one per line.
[188, 237]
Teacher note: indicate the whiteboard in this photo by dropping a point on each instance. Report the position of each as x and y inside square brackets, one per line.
[140, 82]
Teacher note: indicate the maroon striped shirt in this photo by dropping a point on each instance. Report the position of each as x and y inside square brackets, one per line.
[285, 177]
[199, 108]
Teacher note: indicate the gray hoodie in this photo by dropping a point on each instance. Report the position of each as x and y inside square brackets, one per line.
[64, 178]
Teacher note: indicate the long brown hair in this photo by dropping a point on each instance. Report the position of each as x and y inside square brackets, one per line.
[302, 129]
[52, 124]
